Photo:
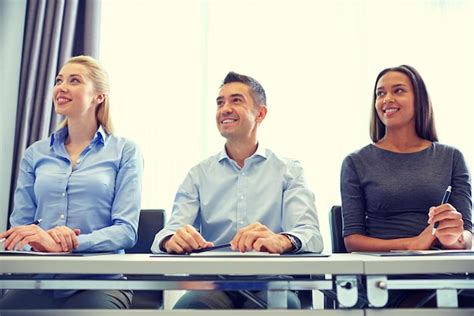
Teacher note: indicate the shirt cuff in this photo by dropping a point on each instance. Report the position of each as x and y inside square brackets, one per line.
[85, 242]
[295, 242]
[162, 242]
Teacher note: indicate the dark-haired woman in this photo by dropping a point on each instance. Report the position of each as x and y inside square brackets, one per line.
[391, 189]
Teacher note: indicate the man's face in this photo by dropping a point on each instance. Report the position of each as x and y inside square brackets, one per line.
[237, 115]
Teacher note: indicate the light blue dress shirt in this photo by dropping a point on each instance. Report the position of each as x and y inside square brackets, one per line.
[219, 198]
[100, 196]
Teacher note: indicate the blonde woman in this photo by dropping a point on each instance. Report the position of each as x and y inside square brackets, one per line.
[77, 191]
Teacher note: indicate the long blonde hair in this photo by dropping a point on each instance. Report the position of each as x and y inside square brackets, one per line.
[100, 79]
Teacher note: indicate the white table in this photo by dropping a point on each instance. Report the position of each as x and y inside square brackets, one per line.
[378, 271]
[175, 273]
[186, 272]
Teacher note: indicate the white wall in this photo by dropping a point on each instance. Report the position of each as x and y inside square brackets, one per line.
[12, 20]
[317, 60]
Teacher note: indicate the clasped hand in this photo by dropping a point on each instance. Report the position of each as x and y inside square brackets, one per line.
[252, 237]
[58, 239]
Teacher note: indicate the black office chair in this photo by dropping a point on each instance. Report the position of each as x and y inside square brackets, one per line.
[151, 222]
[306, 296]
[335, 224]
[338, 246]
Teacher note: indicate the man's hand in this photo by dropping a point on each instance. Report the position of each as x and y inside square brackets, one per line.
[66, 237]
[260, 238]
[186, 239]
[450, 224]
[19, 236]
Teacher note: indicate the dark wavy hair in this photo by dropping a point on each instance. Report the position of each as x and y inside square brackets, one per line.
[258, 93]
[424, 118]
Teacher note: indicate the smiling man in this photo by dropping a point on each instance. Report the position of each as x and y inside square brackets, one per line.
[245, 196]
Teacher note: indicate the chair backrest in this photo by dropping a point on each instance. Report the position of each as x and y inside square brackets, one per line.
[151, 222]
[335, 223]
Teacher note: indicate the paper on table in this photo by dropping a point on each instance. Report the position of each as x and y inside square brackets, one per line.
[407, 253]
[23, 252]
[4, 252]
[35, 253]
[233, 254]
[435, 252]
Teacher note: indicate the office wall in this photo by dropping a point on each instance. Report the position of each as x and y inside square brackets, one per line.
[12, 18]
[316, 59]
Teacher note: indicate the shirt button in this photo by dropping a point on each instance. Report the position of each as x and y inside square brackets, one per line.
[241, 197]
[243, 173]
[62, 216]
[78, 160]
[63, 194]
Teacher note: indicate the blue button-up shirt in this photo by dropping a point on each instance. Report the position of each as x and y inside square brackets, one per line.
[219, 198]
[100, 195]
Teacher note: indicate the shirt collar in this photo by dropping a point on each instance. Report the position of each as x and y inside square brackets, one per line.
[100, 135]
[61, 134]
[259, 152]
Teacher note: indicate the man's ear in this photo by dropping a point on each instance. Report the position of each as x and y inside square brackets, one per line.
[262, 112]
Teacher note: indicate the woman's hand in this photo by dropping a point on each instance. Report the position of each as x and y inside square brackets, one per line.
[66, 237]
[423, 241]
[450, 224]
[17, 237]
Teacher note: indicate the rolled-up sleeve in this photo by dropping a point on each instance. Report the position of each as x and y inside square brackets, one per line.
[461, 197]
[185, 211]
[353, 201]
[300, 217]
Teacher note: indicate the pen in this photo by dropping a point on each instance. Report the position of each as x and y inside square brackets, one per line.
[443, 201]
[210, 248]
[36, 222]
